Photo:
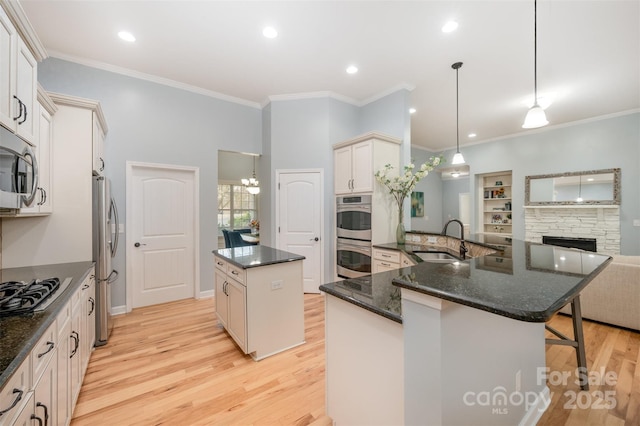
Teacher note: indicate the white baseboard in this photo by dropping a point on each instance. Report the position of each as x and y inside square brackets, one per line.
[118, 310]
[207, 293]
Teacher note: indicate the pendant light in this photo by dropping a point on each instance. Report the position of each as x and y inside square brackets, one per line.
[536, 116]
[457, 158]
[252, 183]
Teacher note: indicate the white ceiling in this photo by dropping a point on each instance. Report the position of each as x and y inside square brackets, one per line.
[588, 53]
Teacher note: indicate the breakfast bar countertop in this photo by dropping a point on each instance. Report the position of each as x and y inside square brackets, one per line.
[542, 280]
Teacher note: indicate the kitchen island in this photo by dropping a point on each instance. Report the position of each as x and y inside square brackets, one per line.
[449, 343]
[259, 298]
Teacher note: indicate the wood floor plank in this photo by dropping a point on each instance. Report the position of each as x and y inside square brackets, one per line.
[172, 364]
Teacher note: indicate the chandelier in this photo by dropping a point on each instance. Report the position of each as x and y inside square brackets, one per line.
[252, 183]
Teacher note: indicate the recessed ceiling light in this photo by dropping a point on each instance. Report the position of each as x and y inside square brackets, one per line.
[472, 135]
[269, 32]
[412, 110]
[450, 27]
[352, 69]
[126, 36]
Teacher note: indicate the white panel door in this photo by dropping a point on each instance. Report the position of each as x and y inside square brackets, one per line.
[299, 221]
[162, 203]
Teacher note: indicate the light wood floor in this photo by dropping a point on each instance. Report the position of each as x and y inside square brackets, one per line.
[172, 365]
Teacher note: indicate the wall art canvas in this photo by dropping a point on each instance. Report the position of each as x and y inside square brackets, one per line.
[417, 204]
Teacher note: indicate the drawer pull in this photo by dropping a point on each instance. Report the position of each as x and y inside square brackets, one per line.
[46, 412]
[51, 346]
[15, 401]
[385, 264]
[235, 272]
[385, 255]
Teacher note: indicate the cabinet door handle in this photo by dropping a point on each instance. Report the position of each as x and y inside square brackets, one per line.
[76, 338]
[101, 164]
[34, 417]
[20, 106]
[49, 349]
[42, 196]
[14, 403]
[46, 412]
[93, 306]
[24, 107]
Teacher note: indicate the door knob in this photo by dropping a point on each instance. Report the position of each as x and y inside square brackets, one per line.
[138, 244]
[315, 239]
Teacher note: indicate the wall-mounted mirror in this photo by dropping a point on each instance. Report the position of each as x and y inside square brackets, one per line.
[574, 188]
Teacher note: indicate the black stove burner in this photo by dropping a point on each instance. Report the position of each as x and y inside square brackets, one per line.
[18, 298]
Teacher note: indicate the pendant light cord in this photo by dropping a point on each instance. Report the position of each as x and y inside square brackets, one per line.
[456, 67]
[457, 115]
[535, 52]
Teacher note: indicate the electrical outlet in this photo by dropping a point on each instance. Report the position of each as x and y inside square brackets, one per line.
[432, 240]
[276, 285]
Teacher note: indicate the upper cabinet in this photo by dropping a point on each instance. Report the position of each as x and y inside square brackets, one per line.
[356, 161]
[42, 204]
[18, 73]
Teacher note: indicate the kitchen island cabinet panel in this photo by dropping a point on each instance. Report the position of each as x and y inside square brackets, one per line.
[260, 299]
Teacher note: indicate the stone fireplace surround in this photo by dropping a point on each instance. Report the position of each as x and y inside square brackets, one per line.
[599, 222]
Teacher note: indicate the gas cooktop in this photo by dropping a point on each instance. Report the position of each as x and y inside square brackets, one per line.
[18, 297]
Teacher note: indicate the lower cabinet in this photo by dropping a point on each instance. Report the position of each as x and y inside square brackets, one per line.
[262, 308]
[387, 260]
[231, 307]
[45, 387]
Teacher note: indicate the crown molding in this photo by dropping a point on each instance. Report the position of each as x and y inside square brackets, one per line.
[75, 101]
[45, 101]
[18, 18]
[152, 78]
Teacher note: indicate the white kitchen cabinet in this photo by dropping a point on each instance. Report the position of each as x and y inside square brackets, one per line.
[357, 160]
[63, 398]
[89, 323]
[42, 204]
[36, 241]
[18, 82]
[98, 136]
[231, 307]
[388, 260]
[15, 394]
[262, 308]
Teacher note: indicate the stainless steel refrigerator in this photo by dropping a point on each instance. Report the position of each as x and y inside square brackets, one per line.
[105, 244]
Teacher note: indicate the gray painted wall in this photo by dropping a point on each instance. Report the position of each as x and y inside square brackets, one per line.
[153, 123]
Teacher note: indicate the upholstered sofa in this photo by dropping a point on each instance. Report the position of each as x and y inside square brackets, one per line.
[613, 297]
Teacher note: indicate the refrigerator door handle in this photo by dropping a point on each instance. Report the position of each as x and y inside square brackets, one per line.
[112, 276]
[116, 238]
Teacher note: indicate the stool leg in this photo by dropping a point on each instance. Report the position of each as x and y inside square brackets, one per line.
[576, 315]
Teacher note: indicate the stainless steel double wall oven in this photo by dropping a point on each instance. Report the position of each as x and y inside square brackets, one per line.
[353, 231]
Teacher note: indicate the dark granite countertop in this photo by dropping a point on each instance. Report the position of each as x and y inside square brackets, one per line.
[539, 280]
[411, 249]
[19, 334]
[255, 256]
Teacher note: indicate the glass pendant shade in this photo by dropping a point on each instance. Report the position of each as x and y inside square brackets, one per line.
[457, 158]
[535, 118]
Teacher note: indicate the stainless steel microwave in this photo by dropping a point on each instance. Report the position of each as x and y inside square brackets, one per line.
[18, 172]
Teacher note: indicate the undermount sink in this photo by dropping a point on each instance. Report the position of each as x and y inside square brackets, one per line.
[436, 257]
